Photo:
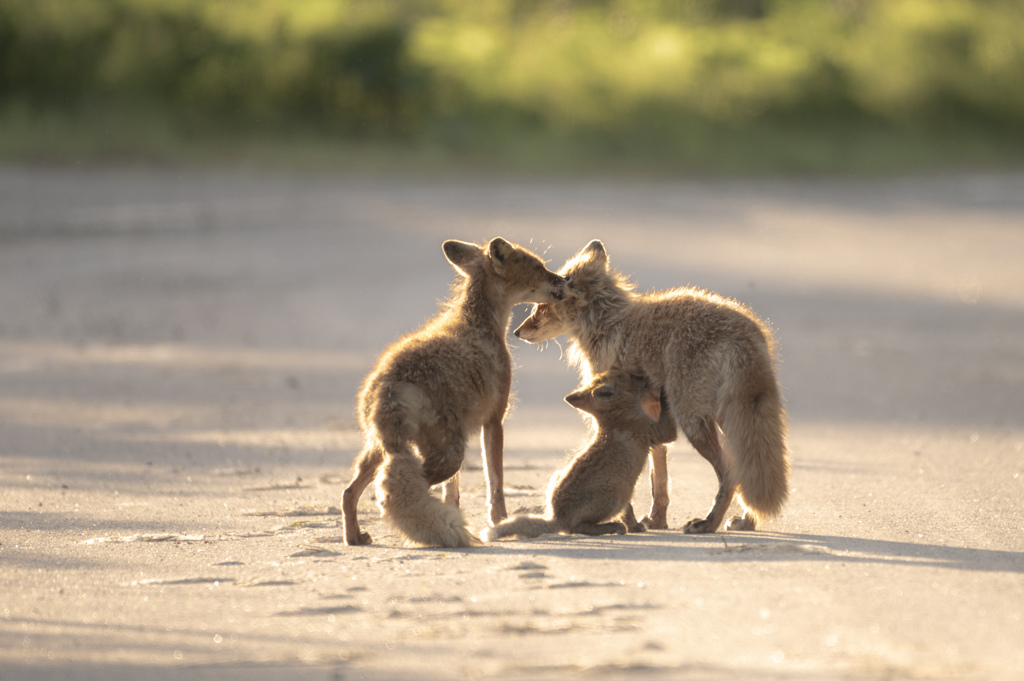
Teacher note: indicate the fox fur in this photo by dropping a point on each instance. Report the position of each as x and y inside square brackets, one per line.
[433, 388]
[588, 495]
[712, 357]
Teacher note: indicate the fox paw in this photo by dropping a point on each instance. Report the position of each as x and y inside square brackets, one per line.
[699, 526]
[655, 522]
[741, 523]
[361, 539]
[639, 527]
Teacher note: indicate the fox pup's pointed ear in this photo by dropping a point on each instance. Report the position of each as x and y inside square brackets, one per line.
[595, 249]
[651, 404]
[500, 251]
[460, 253]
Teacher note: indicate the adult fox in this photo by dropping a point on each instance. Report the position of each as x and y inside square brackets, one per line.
[431, 389]
[712, 357]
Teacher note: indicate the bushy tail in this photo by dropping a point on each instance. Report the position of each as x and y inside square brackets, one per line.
[754, 422]
[405, 500]
[522, 526]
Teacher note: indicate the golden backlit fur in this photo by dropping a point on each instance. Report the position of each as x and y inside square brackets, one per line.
[435, 387]
[590, 494]
[712, 357]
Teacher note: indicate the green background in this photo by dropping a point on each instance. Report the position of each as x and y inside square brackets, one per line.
[706, 86]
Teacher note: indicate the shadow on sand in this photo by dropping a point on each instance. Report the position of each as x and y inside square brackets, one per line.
[762, 547]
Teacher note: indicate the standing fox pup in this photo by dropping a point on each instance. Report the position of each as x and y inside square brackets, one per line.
[713, 359]
[588, 495]
[434, 387]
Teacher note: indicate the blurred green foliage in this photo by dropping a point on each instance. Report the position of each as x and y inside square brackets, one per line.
[719, 84]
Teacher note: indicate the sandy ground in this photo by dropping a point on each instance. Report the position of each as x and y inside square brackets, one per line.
[179, 356]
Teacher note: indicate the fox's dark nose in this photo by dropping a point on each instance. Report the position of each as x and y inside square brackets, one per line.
[560, 282]
[516, 332]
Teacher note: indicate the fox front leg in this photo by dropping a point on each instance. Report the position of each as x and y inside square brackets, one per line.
[493, 441]
[657, 519]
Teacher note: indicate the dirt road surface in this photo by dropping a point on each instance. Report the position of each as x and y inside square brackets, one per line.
[179, 357]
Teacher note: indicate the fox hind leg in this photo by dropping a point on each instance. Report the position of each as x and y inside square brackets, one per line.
[632, 525]
[450, 491]
[714, 518]
[742, 522]
[704, 438]
[366, 466]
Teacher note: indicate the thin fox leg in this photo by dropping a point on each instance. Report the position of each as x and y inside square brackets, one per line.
[450, 490]
[366, 466]
[595, 529]
[630, 520]
[704, 438]
[493, 441]
[657, 519]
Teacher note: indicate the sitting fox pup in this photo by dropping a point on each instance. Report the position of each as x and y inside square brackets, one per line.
[594, 490]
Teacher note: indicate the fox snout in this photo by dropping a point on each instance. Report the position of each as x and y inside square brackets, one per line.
[544, 322]
[529, 331]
